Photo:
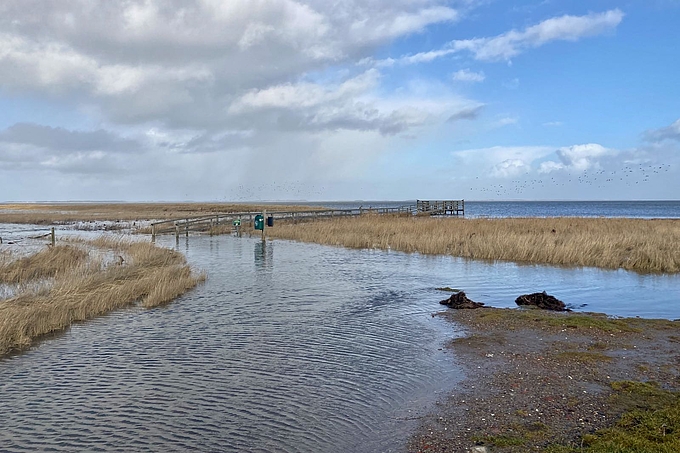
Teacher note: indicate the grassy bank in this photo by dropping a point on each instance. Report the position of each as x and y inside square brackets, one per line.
[69, 283]
[559, 383]
[634, 244]
[82, 212]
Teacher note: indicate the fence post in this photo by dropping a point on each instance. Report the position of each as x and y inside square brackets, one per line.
[186, 227]
[52, 236]
[153, 233]
[177, 231]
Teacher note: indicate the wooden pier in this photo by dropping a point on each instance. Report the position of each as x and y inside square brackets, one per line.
[441, 207]
[183, 226]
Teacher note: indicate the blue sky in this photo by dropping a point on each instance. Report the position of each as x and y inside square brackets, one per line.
[313, 100]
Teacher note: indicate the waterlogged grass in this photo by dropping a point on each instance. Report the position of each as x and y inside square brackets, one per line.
[47, 263]
[635, 244]
[650, 422]
[84, 288]
[448, 289]
[523, 434]
[537, 318]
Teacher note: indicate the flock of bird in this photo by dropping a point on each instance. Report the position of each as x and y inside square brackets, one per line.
[286, 190]
[630, 175]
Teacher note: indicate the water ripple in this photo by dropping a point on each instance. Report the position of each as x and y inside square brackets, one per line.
[286, 348]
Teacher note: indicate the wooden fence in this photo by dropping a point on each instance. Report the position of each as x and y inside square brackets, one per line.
[208, 222]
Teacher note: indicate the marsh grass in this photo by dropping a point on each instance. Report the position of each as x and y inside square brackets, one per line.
[47, 263]
[42, 214]
[86, 288]
[639, 245]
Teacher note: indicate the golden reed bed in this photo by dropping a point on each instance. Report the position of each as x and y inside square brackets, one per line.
[73, 212]
[69, 283]
[634, 244]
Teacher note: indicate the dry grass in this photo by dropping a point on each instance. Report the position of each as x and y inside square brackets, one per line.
[634, 244]
[43, 214]
[87, 288]
[45, 264]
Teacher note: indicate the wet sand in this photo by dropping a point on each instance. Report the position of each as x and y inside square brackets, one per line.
[537, 379]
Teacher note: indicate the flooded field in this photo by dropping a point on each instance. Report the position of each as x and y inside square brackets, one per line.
[287, 347]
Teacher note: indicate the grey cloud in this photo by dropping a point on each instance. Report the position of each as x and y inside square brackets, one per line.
[470, 113]
[63, 140]
[671, 132]
[26, 146]
[182, 63]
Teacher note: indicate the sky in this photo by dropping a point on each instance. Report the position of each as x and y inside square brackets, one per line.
[319, 100]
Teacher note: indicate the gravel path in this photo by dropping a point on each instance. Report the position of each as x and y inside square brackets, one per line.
[536, 381]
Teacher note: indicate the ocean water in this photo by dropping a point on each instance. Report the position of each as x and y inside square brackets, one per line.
[634, 209]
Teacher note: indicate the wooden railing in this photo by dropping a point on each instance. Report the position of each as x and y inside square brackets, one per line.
[441, 207]
[208, 222]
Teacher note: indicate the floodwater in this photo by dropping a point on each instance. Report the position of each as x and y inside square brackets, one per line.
[287, 347]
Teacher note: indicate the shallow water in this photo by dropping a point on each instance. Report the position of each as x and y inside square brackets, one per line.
[287, 347]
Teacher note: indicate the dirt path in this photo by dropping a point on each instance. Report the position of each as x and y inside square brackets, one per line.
[539, 381]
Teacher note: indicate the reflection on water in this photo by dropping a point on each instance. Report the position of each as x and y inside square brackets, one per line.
[302, 348]
[264, 252]
[287, 347]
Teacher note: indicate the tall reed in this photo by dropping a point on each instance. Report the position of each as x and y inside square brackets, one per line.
[634, 244]
[88, 288]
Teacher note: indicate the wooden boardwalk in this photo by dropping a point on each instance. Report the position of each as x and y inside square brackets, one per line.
[441, 207]
[208, 222]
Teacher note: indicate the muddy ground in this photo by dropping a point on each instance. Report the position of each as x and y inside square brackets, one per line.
[537, 380]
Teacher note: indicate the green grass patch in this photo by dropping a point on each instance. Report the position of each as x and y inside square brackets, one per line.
[448, 289]
[650, 422]
[520, 435]
[538, 318]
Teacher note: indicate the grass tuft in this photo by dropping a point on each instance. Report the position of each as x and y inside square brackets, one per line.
[47, 263]
[88, 287]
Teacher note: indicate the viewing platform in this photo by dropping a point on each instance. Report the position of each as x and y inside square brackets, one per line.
[441, 207]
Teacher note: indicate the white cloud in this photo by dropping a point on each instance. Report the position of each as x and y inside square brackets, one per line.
[582, 157]
[505, 121]
[501, 161]
[550, 166]
[564, 28]
[553, 124]
[181, 62]
[510, 44]
[466, 75]
[510, 168]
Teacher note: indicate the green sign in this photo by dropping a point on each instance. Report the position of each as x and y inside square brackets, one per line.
[237, 222]
[259, 222]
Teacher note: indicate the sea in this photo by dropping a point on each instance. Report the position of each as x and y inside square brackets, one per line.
[667, 209]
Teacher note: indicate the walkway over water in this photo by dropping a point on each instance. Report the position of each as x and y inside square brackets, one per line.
[207, 222]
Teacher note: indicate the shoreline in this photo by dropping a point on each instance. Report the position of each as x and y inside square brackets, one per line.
[544, 381]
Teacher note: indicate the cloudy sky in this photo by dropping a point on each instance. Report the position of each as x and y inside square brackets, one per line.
[243, 100]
